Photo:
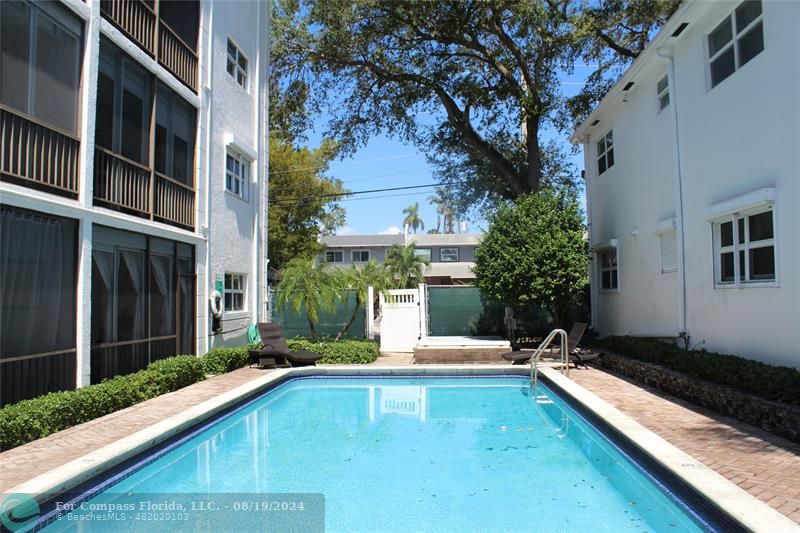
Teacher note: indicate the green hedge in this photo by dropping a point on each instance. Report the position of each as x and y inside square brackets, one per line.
[221, 360]
[341, 352]
[779, 383]
[33, 419]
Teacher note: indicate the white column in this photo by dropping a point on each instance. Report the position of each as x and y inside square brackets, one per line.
[370, 311]
[423, 311]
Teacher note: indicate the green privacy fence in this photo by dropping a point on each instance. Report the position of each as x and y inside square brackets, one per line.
[329, 325]
[458, 310]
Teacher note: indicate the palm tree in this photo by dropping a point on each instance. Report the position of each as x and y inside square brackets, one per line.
[359, 279]
[413, 219]
[304, 284]
[405, 266]
[444, 209]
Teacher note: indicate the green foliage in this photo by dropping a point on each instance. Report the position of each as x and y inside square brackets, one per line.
[225, 359]
[341, 352]
[534, 253]
[779, 383]
[33, 419]
[300, 203]
[307, 285]
[359, 278]
[405, 267]
[413, 220]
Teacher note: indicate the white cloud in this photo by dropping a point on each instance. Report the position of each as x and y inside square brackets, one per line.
[391, 230]
[346, 230]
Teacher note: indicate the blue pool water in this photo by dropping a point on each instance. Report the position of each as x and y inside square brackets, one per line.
[414, 454]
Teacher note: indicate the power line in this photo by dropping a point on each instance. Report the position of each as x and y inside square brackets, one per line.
[358, 199]
[273, 189]
[335, 195]
[300, 169]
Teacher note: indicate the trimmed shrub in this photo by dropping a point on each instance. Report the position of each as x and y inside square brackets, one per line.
[341, 352]
[778, 383]
[33, 419]
[221, 360]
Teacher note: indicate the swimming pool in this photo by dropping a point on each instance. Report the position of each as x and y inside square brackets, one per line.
[407, 454]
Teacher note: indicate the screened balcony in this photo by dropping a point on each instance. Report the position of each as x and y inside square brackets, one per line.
[39, 144]
[144, 144]
[165, 29]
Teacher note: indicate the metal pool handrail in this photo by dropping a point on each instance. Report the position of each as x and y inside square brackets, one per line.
[545, 343]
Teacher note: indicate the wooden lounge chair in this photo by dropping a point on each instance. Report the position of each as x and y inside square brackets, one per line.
[274, 350]
[576, 355]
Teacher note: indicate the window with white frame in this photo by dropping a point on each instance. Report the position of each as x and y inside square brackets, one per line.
[237, 170]
[662, 92]
[751, 236]
[237, 64]
[359, 256]
[334, 256]
[735, 41]
[234, 291]
[424, 253]
[608, 269]
[448, 255]
[605, 152]
[669, 251]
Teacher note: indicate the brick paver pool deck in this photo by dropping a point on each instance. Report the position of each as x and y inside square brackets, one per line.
[767, 466]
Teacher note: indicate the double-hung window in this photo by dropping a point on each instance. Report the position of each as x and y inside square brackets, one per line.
[751, 237]
[608, 269]
[662, 92]
[605, 152]
[236, 174]
[237, 64]
[234, 291]
[334, 256]
[735, 41]
[424, 253]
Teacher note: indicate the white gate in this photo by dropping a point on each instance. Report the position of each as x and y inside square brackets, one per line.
[400, 319]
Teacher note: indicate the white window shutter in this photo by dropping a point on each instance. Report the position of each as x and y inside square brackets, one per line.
[669, 251]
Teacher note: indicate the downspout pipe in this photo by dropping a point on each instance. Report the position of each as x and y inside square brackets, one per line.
[678, 178]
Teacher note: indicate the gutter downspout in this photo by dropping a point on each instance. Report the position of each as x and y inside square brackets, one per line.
[678, 176]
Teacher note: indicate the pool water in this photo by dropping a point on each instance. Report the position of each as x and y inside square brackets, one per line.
[418, 454]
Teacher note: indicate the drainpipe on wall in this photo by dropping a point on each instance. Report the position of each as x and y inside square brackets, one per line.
[678, 177]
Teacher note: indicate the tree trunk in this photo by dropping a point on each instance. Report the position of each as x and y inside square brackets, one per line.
[313, 327]
[349, 322]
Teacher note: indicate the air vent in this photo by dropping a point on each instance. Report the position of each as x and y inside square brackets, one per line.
[595, 123]
[680, 29]
[628, 86]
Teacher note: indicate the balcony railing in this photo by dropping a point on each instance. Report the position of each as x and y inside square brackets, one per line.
[120, 183]
[177, 56]
[33, 152]
[142, 24]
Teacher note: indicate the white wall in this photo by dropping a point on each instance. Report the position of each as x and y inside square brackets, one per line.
[740, 136]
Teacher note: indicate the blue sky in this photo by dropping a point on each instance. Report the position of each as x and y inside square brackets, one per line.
[385, 162]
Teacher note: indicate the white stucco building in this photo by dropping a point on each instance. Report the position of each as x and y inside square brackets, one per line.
[133, 161]
[693, 159]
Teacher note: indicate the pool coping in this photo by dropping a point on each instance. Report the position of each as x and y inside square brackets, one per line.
[728, 497]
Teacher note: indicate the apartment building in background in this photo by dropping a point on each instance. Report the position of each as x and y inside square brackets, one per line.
[451, 256]
[693, 181]
[133, 166]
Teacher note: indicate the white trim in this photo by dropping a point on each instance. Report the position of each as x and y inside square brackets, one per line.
[668, 224]
[765, 198]
[611, 243]
[241, 146]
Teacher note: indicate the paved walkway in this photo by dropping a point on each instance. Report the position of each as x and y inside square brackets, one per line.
[766, 466]
[30, 460]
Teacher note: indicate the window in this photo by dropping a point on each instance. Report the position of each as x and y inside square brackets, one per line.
[608, 269]
[752, 238]
[237, 64]
[360, 256]
[448, 255]
[424, 253]
[335, 256]
[40, 57]
[669, 251]
[174, 136]
[236, 175]
[737, 40]
[605, 152]
[123, 105]
[662, 92]
[234, 292]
